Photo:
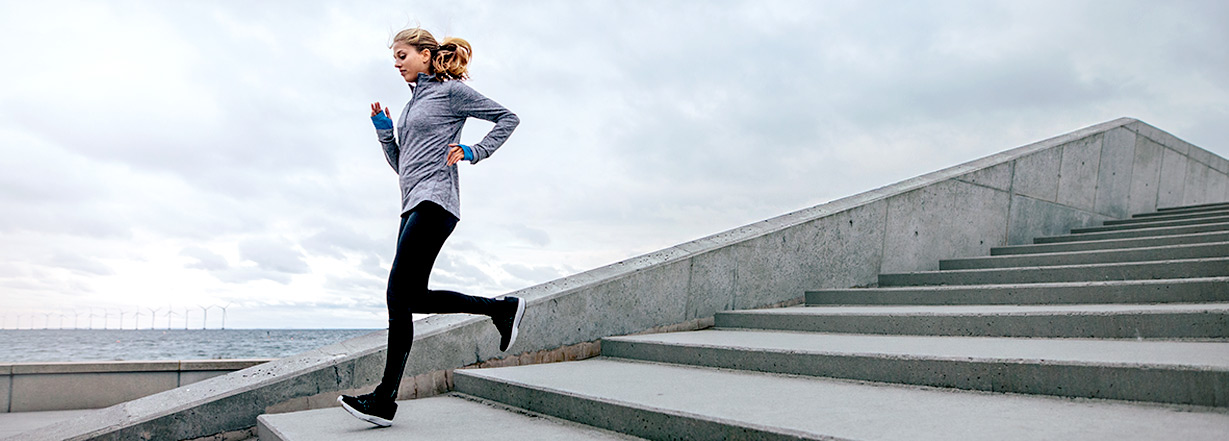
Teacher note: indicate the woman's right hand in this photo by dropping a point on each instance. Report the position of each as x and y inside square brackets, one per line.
[375, 109]
[381, 120]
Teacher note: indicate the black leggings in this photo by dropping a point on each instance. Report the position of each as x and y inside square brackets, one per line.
[423, 231]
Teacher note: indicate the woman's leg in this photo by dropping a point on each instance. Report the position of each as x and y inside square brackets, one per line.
[423, 232]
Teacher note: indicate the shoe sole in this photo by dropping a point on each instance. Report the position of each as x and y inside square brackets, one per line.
[516, 321]
[362, 416]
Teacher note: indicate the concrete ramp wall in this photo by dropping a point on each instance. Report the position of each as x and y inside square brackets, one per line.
[1097, 173]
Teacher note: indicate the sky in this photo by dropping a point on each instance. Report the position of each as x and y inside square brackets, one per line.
[183, 156]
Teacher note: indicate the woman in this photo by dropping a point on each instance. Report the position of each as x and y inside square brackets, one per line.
[424, 155]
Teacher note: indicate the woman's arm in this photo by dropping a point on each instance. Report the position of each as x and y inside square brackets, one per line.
[384, 130]
[466, 101]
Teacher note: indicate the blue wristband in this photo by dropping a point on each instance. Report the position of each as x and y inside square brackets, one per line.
[469, 154]
[381, 121]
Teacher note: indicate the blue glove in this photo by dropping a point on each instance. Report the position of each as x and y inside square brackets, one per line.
[469, 154]
[381, 121]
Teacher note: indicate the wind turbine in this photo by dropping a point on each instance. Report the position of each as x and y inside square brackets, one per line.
[185, 317]
[75, 315]
[169, 312]
[153, 315]
[121, 318]
[224, 314]
[62, 320]
[136, 319]
[205, 309]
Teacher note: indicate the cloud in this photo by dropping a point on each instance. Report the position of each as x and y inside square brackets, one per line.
[274, 254]
[242, 274]
[532, 236]
[334, 239]
[206, 260]
[534, 274]
[80, 264]
[223, 150]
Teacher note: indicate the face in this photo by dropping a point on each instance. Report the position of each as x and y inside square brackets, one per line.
[410, 62]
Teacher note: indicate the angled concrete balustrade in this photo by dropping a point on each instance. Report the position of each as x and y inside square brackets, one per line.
[841, 368]
[902, 231]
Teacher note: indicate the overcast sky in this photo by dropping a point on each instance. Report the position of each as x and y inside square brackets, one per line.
[174, 154]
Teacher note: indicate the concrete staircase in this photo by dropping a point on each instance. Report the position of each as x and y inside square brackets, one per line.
[1114, 332]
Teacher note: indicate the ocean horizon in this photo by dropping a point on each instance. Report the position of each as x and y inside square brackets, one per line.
[68, 345]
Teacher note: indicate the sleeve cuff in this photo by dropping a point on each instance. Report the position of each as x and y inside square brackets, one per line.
[382, 121]
[469, 154]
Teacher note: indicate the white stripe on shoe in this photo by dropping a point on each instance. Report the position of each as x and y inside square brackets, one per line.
[516, 322]
[362, 416]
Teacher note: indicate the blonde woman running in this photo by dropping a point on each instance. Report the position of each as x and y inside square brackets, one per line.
[424, 153]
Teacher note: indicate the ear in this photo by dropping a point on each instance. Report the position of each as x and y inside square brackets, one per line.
[425, 54]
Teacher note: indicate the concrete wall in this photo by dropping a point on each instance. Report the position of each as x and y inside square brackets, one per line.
[27, 387]
[1101, 172]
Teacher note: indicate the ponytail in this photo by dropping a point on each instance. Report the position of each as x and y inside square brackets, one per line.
[451, 59]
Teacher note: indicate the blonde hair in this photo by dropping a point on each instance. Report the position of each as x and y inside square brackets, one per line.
[448, 59]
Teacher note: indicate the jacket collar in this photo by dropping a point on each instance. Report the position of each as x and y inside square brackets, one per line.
[422, 78]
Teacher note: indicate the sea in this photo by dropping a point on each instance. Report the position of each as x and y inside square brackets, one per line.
[54, 345]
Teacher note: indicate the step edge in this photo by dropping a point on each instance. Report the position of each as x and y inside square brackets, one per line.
[1176, 367]
[814, 311]
[1039, 285]
[1146, 225]
[673, 413]
[1050, 267]
[1123, 239]
[1169, 216]
[1149, 230]
[1085, 252]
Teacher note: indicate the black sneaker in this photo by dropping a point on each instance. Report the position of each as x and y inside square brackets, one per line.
[368, 408]
[508, 324]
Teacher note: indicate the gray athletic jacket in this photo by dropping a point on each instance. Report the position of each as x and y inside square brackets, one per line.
[431, 120]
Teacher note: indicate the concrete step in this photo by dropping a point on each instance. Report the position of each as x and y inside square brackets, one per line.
[1194, 290]
[1161, 269]
[1213, 205]
[1166, 223]
[1198, 321]
[667, 401]
[1143, 232]
[15, 423]
[1188, 209]
[444, 417]
[1197, 215]
[1134, 242]
[1195, 373]
[1191, 251]
[1173, 212]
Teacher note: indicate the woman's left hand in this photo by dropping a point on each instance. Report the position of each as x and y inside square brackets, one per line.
[455, 154]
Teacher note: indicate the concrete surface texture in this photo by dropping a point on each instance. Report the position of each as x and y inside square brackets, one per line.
[1154, 367]
[34, 387]
[447, 417]
[902, 231]
[14, 423]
